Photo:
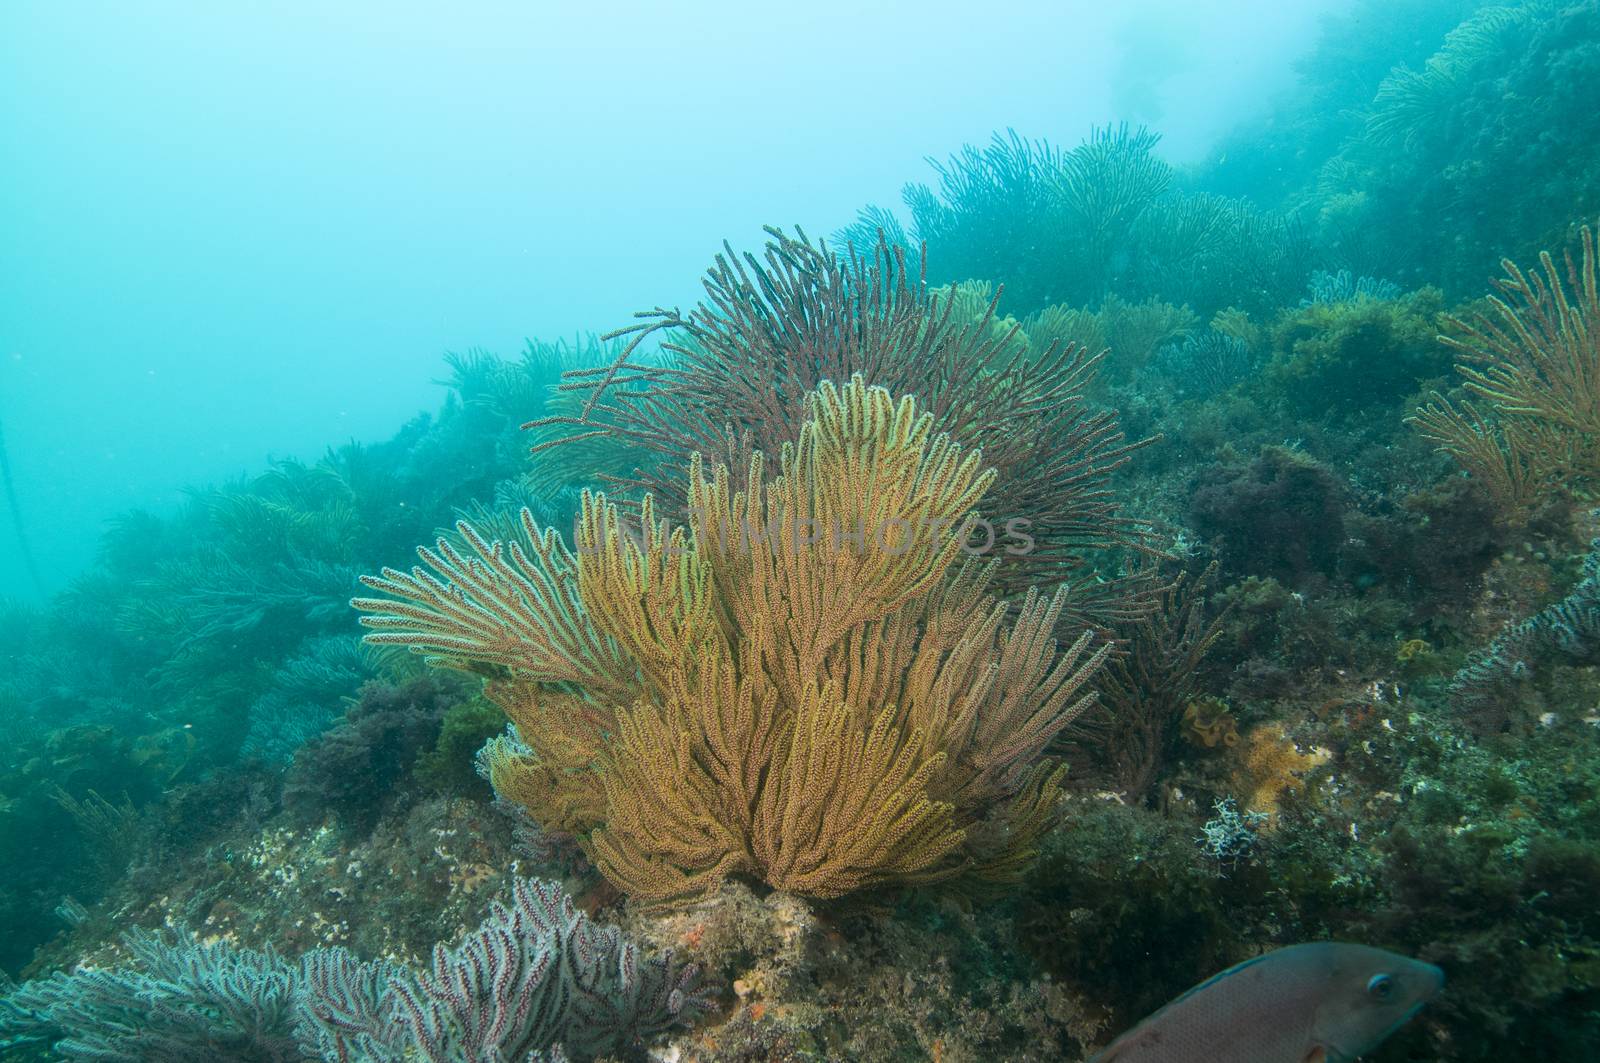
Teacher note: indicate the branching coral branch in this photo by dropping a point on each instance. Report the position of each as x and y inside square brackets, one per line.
[1539, 347]
[536, 981]
[821, 697]
[772, 329]
[497, 607]
[1535, 356]
[1147, 684]
[1568, 630]
[1519, 460]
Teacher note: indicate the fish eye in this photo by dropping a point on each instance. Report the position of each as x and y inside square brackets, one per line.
[1380, 986]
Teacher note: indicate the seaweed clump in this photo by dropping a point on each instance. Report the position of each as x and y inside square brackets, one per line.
[1124, 906]
[1281, 516]
[379, 740]
[1360, 357]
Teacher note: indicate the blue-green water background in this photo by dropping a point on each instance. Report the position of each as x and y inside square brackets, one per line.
[1354, 682]
[235, 231]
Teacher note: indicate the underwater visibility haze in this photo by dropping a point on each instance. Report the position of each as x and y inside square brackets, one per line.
[717, 533]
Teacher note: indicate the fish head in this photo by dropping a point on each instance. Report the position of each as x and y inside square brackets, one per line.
[1371, 993]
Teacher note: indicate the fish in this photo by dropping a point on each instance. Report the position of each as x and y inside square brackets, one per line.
[1322, 1002]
